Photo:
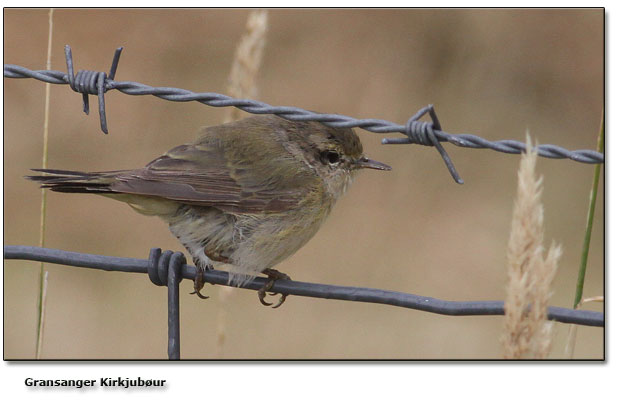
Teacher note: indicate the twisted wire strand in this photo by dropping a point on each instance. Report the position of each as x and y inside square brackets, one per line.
[413, 135]
[356, 294]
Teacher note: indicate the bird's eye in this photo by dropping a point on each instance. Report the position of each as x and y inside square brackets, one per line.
[330, 157]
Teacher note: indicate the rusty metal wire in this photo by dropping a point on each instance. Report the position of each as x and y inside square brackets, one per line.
[157, 266]
[416, 132]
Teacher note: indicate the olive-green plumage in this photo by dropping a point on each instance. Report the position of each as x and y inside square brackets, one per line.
[249, 193]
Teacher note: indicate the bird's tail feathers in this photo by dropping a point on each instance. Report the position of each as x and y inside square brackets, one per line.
[74, 181]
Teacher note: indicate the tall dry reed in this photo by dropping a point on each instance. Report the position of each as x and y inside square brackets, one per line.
[242, 84]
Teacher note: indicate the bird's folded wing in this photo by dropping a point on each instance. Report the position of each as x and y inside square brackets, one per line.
[201, 177]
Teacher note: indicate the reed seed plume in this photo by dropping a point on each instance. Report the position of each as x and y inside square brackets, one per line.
[527, 333]
[249, 54]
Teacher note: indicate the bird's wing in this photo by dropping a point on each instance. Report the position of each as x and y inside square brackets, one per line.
[204, 174]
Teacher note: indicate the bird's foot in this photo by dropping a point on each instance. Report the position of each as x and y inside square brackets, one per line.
[198, 282]
[273, 275]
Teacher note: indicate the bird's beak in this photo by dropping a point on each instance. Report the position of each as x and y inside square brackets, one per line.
[364, 162]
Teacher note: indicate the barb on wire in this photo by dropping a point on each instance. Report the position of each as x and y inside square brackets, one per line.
[416, 132]
[89, 82]
[356, 294]
[423, 133]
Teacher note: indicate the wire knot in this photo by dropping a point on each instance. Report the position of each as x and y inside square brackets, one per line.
[160, 264]
[418, 132]
[423, 133]
[89, 82]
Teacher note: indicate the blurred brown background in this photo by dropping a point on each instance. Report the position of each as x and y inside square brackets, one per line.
[494, 73]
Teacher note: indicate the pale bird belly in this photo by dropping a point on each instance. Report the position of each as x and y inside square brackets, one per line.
[249, 243]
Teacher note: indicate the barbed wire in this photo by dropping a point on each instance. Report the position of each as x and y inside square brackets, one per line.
[416, 132]
[156, 267]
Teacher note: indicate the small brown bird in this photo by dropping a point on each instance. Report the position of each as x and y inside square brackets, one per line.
[248, 193]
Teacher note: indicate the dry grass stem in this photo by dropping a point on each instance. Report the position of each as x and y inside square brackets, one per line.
[39, 345]
[242, 84]
[527, 333]
[598, 298]
[42, 272]
[221, 320]
[572, 331]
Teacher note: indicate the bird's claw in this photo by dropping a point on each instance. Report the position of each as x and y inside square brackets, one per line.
[262, 297]
[273, 275]
[199, 294]
[198, 282]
